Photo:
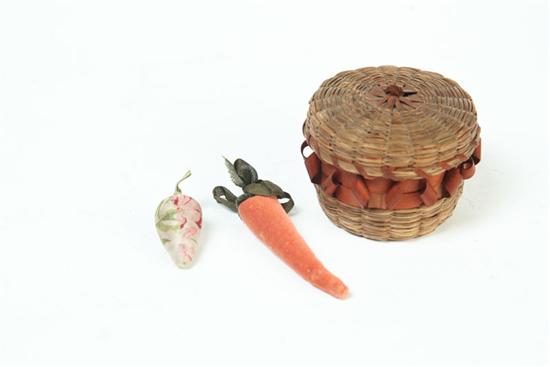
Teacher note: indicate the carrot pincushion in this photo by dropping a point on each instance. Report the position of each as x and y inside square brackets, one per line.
[267, 218]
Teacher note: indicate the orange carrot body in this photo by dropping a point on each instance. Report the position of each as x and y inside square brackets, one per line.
[267, 219]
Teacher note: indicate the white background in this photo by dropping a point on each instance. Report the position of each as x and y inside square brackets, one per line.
[105, 104]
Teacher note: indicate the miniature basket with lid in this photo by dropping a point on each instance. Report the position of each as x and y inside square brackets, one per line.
[390, 148]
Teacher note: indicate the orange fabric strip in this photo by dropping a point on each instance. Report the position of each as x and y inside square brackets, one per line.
[384, 192]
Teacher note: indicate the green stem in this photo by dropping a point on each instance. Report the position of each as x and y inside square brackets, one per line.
[187, 174]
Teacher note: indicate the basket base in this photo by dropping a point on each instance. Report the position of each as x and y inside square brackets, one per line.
[388, 225]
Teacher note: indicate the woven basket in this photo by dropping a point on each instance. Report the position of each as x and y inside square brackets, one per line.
[390, 148]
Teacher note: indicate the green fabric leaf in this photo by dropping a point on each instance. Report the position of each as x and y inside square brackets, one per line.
[233, 173]
[287, 205]
[245, 171]
[246, 177]
[275, 189]
[258, 188]
[225, 197]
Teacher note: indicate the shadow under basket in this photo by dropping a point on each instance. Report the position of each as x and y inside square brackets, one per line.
[388, 225]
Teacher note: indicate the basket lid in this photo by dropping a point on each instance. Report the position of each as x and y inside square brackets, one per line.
[394, 122]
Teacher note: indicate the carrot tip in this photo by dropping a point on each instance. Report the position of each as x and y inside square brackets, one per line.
[342, 293]
[338, 289]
